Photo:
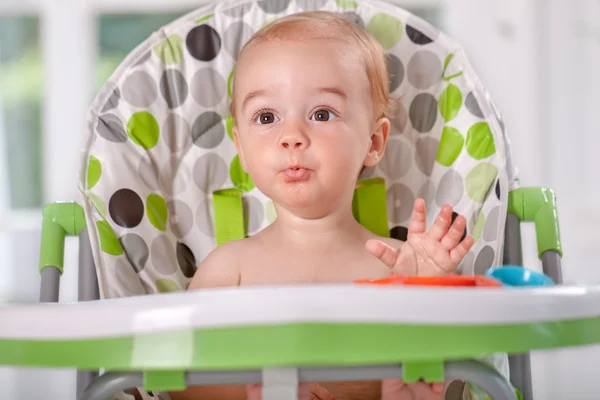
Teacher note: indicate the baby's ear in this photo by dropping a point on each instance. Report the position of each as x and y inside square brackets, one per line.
[379, 140]
[236, 141]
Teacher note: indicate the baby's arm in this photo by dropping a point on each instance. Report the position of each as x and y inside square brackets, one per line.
[219, 269]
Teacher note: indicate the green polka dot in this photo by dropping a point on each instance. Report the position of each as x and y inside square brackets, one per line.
[346, 4]
[170, 50]
[386, 29]
[480, 141]
[229, 123]
[239, 177]
[478, 229]
[479, 180]
[450, 102]
[143, 129]
[108, 241]
[98, 203]
[205, 18]
[271, 213]
[94, 172]
[166, 286]
[158, 213]
[230, 84]
[451, 145]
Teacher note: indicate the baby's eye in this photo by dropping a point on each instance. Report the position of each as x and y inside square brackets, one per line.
[266, 118]
[323, 115]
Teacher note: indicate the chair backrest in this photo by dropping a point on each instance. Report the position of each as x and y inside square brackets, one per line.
[159, 142]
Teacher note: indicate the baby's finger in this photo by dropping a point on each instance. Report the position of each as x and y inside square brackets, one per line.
[437, 387]
[441, 224]
[386, 254]
[455, 233]
[418, 219]
[460, 251]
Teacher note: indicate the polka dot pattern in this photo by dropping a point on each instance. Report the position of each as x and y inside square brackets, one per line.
[174, 88]
[139, 89]
[203, 43]
[159, 148]
[208, 87]
[424, 69]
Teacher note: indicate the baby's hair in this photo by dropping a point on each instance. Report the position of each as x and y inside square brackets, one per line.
[333, 25]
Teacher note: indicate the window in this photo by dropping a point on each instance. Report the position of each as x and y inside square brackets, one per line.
[119, 34]
[21, 95]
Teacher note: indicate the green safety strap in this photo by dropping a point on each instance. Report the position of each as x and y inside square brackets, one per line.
[229, 215]
[369, 206]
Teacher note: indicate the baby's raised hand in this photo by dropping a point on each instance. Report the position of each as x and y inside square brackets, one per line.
[438, 251]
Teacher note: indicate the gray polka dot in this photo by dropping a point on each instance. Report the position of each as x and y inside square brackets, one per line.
[149, 172]
[425, 155]
[164, 259]
[210, 172]
[399, 119]
[208, 130]
[310, 5]
[450, 189]
[274, 6]
[204, 219]
[490, 230]
[181, 218]
[424, 69]
[208, 87]
[128, 280]
[427, 192]
[473, 106]
[111, 128]
[139, 89]
[368, 173]
[174, 88]
[396, 71]
[238, 11]
[423, 112]
[176, 133]
[397, 160]
[136, 251]
[113, 100]
[400, 200]
[356, 19]
[484, 260]
[254, 214]
[175, 176]
[466, 266]
[235, 37]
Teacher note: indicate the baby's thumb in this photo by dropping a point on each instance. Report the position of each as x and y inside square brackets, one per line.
[385, 253]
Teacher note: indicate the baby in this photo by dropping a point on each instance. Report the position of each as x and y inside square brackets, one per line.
[311, 104]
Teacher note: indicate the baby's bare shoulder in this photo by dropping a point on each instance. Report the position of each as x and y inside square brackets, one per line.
[221, 267]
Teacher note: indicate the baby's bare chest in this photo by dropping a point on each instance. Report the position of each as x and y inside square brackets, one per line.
[286, 266]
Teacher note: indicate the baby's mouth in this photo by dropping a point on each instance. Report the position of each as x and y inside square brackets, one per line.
[296, 174]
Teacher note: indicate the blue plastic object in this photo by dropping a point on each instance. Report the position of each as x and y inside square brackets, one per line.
[512, 275]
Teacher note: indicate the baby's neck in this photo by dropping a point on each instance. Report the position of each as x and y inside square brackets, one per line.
[324, 233]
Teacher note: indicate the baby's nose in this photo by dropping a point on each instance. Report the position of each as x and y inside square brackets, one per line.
[295, 141]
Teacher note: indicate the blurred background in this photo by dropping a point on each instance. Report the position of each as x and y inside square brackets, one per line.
[539, 59]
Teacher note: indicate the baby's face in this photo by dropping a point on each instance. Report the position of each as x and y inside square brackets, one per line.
[304, 121]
